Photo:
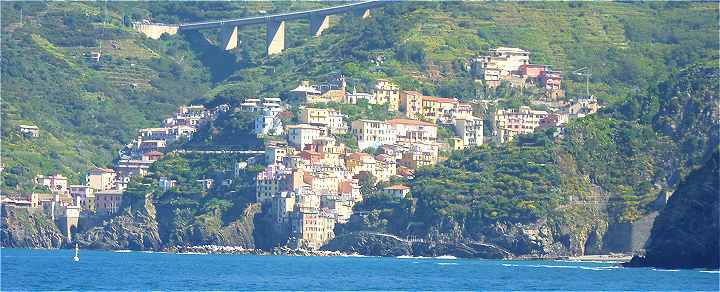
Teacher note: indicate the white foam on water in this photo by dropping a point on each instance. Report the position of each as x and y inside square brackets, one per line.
[355, 255]
[191, 253]
[122, 250]
[446, 257]
[712, 272]
[447, 264]
[410, 257]
[563, 267]
[664, 270]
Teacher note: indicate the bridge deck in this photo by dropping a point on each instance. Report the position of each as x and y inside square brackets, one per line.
[279, 17]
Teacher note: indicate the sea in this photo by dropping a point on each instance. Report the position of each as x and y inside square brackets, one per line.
[35, 269]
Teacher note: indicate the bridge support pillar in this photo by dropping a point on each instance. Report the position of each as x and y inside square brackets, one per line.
[363, 13]
[275, 37]
[319, 23]
[229, 37]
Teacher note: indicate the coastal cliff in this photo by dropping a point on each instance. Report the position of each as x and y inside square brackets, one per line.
[26, 228]
[135, 229]
[685, 234]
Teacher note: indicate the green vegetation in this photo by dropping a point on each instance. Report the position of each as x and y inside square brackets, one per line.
[647, 139]
[619, 160]
[86, 110]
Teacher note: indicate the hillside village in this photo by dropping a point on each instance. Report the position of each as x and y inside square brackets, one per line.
[316, 161]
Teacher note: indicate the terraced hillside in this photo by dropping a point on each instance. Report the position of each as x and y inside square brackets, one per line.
[87, 109]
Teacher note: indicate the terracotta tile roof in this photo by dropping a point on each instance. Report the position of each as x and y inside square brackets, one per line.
[359, 156]
[409, 122]
[412, 92]
[397, 187]
[440, 99]
[105, 170]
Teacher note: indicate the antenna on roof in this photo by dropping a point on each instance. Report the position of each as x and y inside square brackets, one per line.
[587, 75]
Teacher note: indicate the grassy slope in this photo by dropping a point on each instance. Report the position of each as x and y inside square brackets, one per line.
[628, 46]
[85, 110]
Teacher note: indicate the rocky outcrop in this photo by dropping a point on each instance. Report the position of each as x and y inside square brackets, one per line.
[369, 244]
[24, 227]
[134, 229]
[377, 244]
[460, 249]
[240, 232]
[685, 234]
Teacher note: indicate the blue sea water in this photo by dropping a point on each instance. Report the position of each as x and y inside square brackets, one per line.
[26, 269]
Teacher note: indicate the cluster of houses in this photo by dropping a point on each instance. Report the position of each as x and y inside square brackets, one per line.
[513, 65]
[311, 180]
[102, 190]
[151, 143]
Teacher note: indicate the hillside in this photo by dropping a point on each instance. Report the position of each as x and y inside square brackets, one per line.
[86, 110]
[652, 69]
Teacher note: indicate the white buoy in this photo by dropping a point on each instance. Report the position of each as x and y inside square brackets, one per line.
[77, 252]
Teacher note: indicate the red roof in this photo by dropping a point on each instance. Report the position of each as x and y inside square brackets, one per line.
[440, 99]
[409, 122]
[412, 92]
[359, 155]
[105, 170]
[397, 187]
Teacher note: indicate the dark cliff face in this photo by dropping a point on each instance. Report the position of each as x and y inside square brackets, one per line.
[133, 229]
[685, 234]
[23, 227]
[138, 229]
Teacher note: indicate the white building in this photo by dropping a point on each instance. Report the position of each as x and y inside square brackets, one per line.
[330, 118]
[303, 134]
[512, 122]
[372, 133]
[268, 122]
[408, 130]
[470, 130]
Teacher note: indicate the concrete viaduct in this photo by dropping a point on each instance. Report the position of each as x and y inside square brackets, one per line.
[319, 21]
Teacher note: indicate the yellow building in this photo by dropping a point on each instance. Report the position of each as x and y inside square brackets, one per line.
[101, 179]
[438, 109]
[411, 103]
[312, 228]
[386, 92]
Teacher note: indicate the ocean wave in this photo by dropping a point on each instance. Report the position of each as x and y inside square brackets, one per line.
[446, 257]
[664, 270]
[447, 264]
[596, 262]
[122, 250]
[192, 252]
[713, 272]
[564, 267]
[411, 257]
[356, 255]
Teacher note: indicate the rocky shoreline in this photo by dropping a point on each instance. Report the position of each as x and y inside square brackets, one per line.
[238, 250]
[286, 251]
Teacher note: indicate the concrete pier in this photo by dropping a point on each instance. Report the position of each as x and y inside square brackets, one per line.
[319, 23]
[275, 37]
[363, 13]
[229, 37]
